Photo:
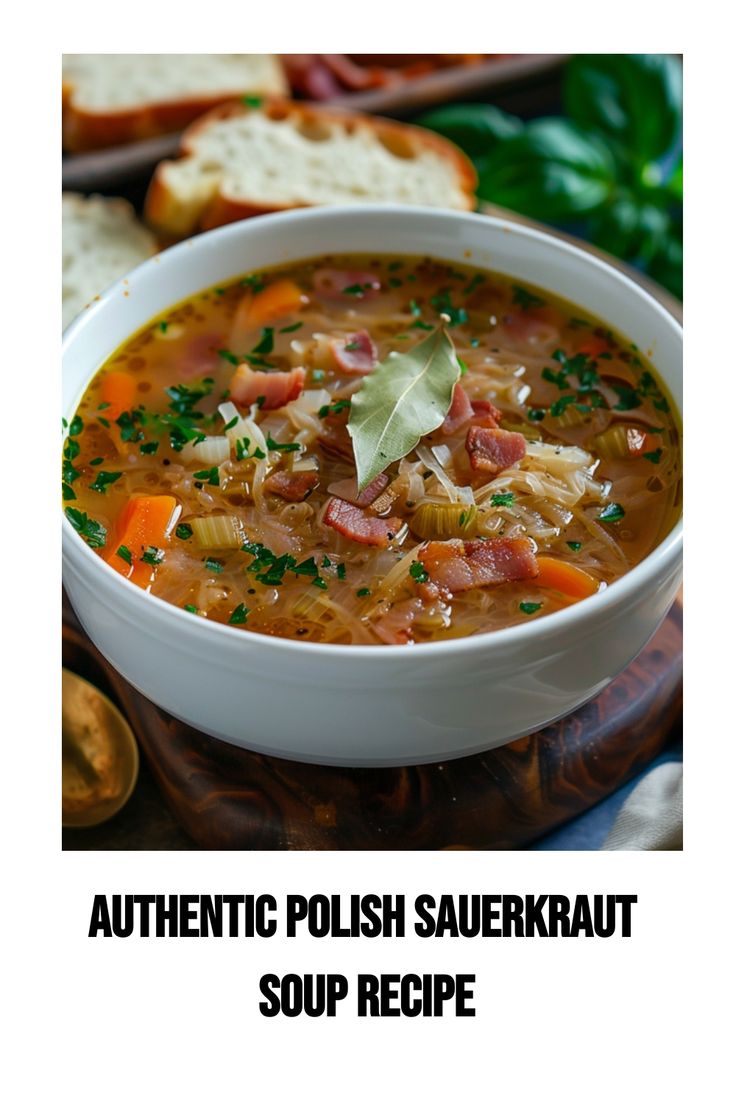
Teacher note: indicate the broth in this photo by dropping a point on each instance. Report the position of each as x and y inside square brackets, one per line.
[557, 469]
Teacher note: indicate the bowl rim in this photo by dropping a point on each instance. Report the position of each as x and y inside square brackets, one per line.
[578, 615]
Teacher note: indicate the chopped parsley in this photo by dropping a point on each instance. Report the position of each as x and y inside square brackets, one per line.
[525, 299]
[418, 572]
[90, 530]
[67, 492]
[363, 592]
[341, 571]
[265, 345]
[128, 423]
[103, 480]
[215, 566]
[229, 357]
[97, 461]
[475, 283]
[505, 499]
[255, 282]
[153, 555]
[530, 607]
[333, 408]
[419, 325]
[359, 290]
[249, 100]
[307, 567]
[75, 426]
[612, 512]
[276, 446]
[321, 583]
[163, 326]
[239, 615]
[292, 328]
[183, 531]
[125, 554]
[442, 303]
[654, 456]
[191, 609]
[463, 365]
[210, 476]
[149, 447]
[575, 546]
[184, 398]
[536, 413]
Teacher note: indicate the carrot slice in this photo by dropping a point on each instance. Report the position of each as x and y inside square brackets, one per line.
[280, 298]
[118, 390]
[145, 523]
[570, 580]
[593, 346]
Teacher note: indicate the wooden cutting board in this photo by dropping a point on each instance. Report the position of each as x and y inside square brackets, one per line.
[227, 798]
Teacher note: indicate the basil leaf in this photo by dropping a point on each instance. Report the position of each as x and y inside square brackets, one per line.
[634, 99]
[476, 128]
[553, 171]
[406, 396]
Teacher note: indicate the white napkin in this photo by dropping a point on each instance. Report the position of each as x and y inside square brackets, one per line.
[651, 817]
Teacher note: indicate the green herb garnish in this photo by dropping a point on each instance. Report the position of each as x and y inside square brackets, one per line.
[239, 615]
[363, 592]
[275, 446]
[292, 328]
[183, 531]
[574, 545]
[125, 554]
[525, 299]
[418, 572]
[210, 476]
[654, 456]
[505, 499]
[103, 480]
[265, 345]
[215, 566]
[153, 555]
[612, 512]
[89, 529]
[530, 607]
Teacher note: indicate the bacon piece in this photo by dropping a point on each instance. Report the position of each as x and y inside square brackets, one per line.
[199, 356]
[348, 490]
[364, 528]
[293, 486]
[460, 412]
[395, 627]
[355, 354]
[277, 388]
[331, 283]
[535, 326]
[457, 565]
[494, 450]
[485, 413]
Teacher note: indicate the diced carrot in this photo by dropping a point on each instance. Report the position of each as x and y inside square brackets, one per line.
[119, 391]
[146, 522]
[565, 577]
[278, 299]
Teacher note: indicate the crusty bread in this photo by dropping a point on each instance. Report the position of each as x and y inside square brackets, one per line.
[239, 161]
[101, 240]
[110, 99]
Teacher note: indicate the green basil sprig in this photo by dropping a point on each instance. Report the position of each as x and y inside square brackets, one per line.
[612, 169]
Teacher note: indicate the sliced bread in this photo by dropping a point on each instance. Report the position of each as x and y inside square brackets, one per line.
[238, 161]
[110, 99]
[101, 240]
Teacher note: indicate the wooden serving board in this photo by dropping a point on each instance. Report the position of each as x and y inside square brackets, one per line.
[227, 798]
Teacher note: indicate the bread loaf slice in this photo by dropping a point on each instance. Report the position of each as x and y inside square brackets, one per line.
[110, 99]
[238, 161]
[101, 240]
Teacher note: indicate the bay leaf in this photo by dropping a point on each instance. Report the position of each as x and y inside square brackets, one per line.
[406, 396]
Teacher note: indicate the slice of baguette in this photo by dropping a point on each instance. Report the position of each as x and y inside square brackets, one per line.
[101, 240]
[239, 161]
[111, 99]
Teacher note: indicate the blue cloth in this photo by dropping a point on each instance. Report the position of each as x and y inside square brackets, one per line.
[588, 831]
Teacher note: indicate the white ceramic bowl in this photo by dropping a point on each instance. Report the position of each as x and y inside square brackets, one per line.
[362, 705]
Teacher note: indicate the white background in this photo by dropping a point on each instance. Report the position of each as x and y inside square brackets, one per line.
[644, 1019]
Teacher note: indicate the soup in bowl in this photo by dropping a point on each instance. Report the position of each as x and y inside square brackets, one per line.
[365, 506]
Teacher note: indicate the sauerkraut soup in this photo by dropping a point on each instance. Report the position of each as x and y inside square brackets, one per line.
[373, 450]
